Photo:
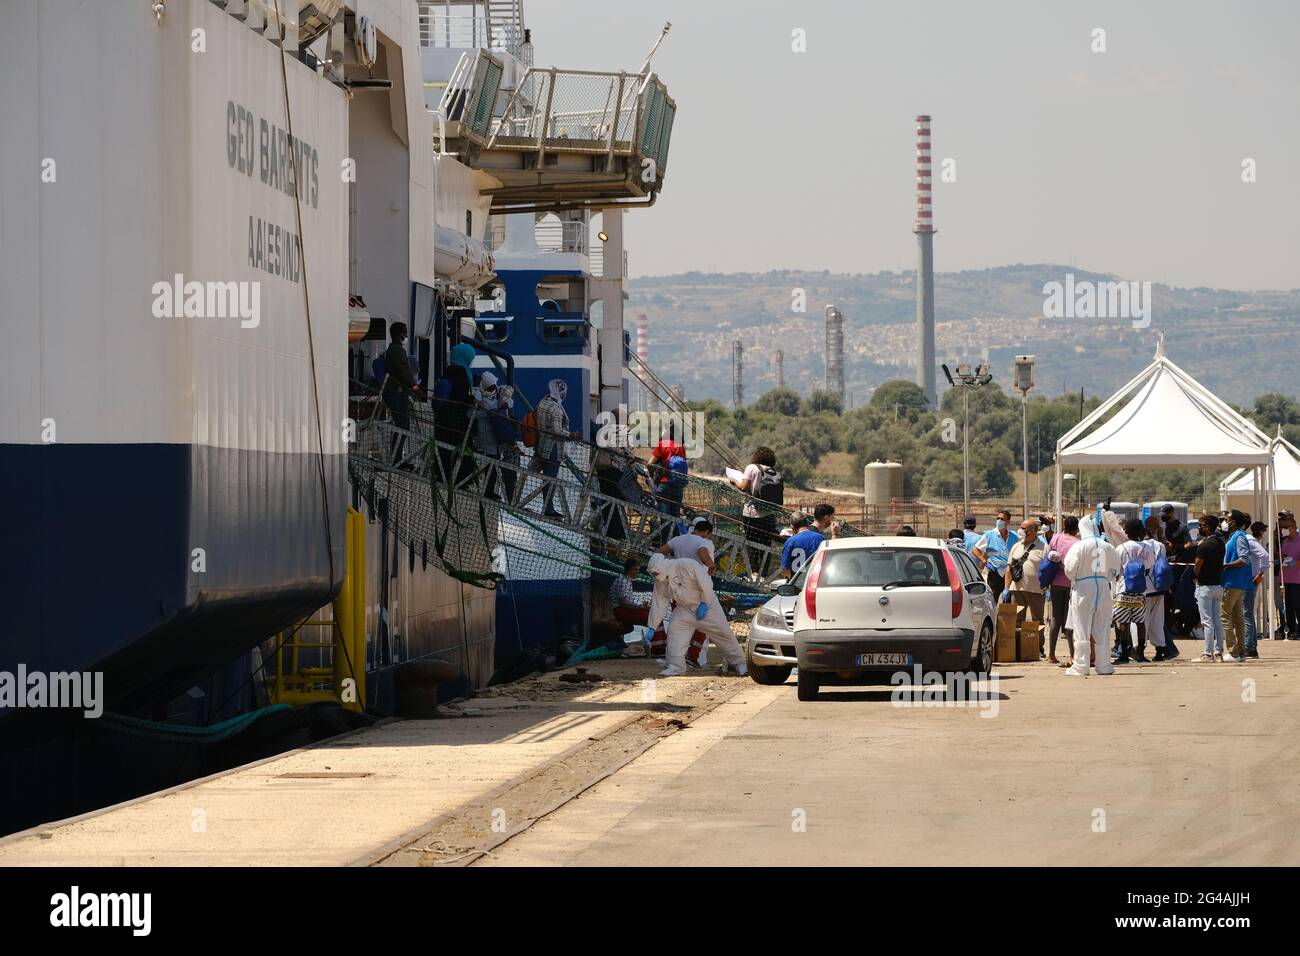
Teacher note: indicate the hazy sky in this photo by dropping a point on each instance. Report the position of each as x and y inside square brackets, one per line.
[1127, 161]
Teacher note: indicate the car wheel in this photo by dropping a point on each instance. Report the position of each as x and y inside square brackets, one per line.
[770, 675]
[982, 662]
[809, 686]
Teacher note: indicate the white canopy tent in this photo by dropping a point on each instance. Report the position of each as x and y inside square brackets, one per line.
[1164, 418]
[1238, 489]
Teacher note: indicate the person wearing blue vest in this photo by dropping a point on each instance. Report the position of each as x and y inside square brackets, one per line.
[1238, 577]
[970, 536]
[993, 550]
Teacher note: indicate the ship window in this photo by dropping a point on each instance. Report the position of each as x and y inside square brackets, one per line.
[560, 294]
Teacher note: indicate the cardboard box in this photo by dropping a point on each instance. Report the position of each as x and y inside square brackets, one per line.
[1006, 639]
[1031, 633]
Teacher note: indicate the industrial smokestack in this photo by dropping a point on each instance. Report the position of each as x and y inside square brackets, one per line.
[778, 362]
[924, 264]
[737, 374]
[835, 352]
[642, 357]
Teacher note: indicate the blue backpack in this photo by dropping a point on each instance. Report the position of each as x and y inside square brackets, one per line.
[1135, 577]
[677, 471]
[1047, 571]
[1162, 575]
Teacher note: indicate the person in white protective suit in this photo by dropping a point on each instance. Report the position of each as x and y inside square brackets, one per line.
[685, 584]
[1091, 565]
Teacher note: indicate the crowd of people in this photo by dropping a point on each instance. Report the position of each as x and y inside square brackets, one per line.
[1140, 582]
[1094, 580]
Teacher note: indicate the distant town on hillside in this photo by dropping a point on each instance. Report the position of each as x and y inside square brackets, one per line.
[1237, 343]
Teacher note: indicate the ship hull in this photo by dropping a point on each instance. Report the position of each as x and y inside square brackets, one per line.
[174, 311]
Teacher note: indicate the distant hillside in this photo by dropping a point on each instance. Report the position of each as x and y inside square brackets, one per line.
[1237, 343]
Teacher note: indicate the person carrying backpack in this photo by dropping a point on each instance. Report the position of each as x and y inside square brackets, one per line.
[671, 469]
[1136, 563]
[761, 481]
[1160, 581]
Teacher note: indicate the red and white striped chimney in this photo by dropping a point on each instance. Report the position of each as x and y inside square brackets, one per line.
[642, 355]
[924, 215]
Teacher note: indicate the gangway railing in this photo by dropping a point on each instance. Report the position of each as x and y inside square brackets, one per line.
[484, 519]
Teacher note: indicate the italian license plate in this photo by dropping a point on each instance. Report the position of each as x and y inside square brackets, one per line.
[896, 660]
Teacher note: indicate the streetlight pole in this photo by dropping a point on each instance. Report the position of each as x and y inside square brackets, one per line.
[966, 379]
[1024, 441]
[965, 451]
[1023, 373]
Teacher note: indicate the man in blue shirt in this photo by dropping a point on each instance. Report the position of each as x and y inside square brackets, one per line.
[800, 546]
[1238, 577]
[969, 534]
[1259, 565]
[993, 550]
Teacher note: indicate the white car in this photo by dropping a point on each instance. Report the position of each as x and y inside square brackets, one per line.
[769, 652]
[871, 606]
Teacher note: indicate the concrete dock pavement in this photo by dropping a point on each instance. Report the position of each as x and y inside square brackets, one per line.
[359, 798]
[1173, 763]
[1161, 764]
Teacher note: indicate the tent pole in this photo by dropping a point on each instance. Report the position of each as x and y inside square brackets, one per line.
[1056, 481]
[1271, 606]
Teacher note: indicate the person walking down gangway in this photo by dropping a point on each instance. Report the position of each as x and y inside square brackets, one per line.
[400, 387]
[1091, 564]
[552, 433]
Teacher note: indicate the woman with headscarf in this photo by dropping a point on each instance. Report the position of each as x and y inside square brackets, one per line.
[494, 430]
[452, 408]
[552, 432]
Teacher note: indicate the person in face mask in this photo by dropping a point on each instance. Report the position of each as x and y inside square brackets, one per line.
[552, 432]
[1091, 565]
[994, 550]
[494, 430]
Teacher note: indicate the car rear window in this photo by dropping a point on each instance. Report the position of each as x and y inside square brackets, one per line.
[876, 567]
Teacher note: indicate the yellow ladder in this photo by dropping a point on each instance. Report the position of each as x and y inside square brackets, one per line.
[345, 681]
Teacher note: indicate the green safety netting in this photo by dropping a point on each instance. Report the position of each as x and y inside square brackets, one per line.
[482, 519]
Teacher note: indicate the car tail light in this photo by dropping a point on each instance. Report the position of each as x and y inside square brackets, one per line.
[954, 584]
[810, 586]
